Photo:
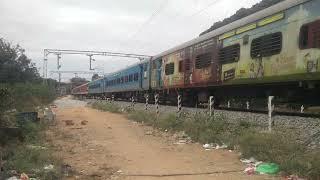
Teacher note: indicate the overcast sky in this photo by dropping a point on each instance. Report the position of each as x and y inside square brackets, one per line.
[131, 26]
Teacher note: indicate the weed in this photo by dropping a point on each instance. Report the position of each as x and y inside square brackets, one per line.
[26, 158]
[141, 116]
[107, 107]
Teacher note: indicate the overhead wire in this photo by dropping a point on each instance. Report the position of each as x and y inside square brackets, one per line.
[205, 8]
[153, 15]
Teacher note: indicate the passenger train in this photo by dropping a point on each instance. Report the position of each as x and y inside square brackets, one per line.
[275, 51]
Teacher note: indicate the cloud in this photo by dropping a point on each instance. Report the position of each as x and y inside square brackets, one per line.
[107, 25]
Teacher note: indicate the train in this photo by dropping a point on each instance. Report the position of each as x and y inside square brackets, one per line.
[275, 51]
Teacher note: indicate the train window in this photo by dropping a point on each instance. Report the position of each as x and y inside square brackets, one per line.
[187, 65]
[203, 60]
[310, 35]
[118, 81]
[267, 45]
[130, 77]
[169, 69]
[145, 67]
[180, 66]
[154, 65]
[229, 54]
[126, 78]
[136, 77]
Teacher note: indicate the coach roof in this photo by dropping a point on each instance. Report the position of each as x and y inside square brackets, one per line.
[236, 24]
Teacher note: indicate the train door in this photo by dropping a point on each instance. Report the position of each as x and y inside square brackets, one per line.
[187, 66]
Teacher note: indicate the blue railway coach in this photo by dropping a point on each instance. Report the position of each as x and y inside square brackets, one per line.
[128, 82]
[95, 88]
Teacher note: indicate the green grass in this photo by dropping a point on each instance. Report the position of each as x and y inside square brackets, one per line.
[281, 148]
[26, 158]
[105, 106]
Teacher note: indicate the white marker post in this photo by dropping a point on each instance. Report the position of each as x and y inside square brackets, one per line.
[147, 102]
[179, 106]
[211, 106]
[270, 111]
[248, 105]
[156, 102]
[132, 103]
[302, 109]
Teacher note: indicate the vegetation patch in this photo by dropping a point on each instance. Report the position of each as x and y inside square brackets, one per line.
[32, 156]
[105, 106]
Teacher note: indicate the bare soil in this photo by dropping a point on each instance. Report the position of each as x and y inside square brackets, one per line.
[102, 145]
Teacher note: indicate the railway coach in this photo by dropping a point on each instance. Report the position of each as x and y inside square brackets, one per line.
[272, 52]
[81, 90]
[275, 51]
[133, 81]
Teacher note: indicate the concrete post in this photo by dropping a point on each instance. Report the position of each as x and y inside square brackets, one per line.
[302, 109]
[132, 102]
[211, 106]
[147, 102]
[156, 102]
[270, 111]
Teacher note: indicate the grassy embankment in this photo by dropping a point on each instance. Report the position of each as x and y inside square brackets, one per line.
[277, 147]
[26, 150]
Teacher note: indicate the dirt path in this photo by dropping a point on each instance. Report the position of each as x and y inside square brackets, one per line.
[110, 146]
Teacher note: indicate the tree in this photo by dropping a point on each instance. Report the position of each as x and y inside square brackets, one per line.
[95, 76]
[77, 81]
[241, 13]
[15, 66]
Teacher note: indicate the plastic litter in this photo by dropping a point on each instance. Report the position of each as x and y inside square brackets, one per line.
[209, 146]
[49, 167]
[248, 161]
[23, 176]
[250, 170]
[268, 168]
[181, 142]
[119, 171]
[293, 177]
[214, 146]
[13, 178]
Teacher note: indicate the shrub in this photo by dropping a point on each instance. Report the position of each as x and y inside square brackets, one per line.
[170, 122]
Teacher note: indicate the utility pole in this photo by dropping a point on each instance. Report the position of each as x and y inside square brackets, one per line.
[59, 52]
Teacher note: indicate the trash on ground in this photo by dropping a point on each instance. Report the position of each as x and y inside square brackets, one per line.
[119, 171]
[248, 161]
[36, 147]
[268, 168]
[214, 146]
[149, 133]
[24, 176]
[67, 170]
[84, 122]
[250, 170]
[69, 122]
[252, 165]
[13, 178]
[49, 167]
[181, 142]
[53, 106]
[293, 177]
[209, 146]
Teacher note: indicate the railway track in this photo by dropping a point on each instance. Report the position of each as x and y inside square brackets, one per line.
[232, 109]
